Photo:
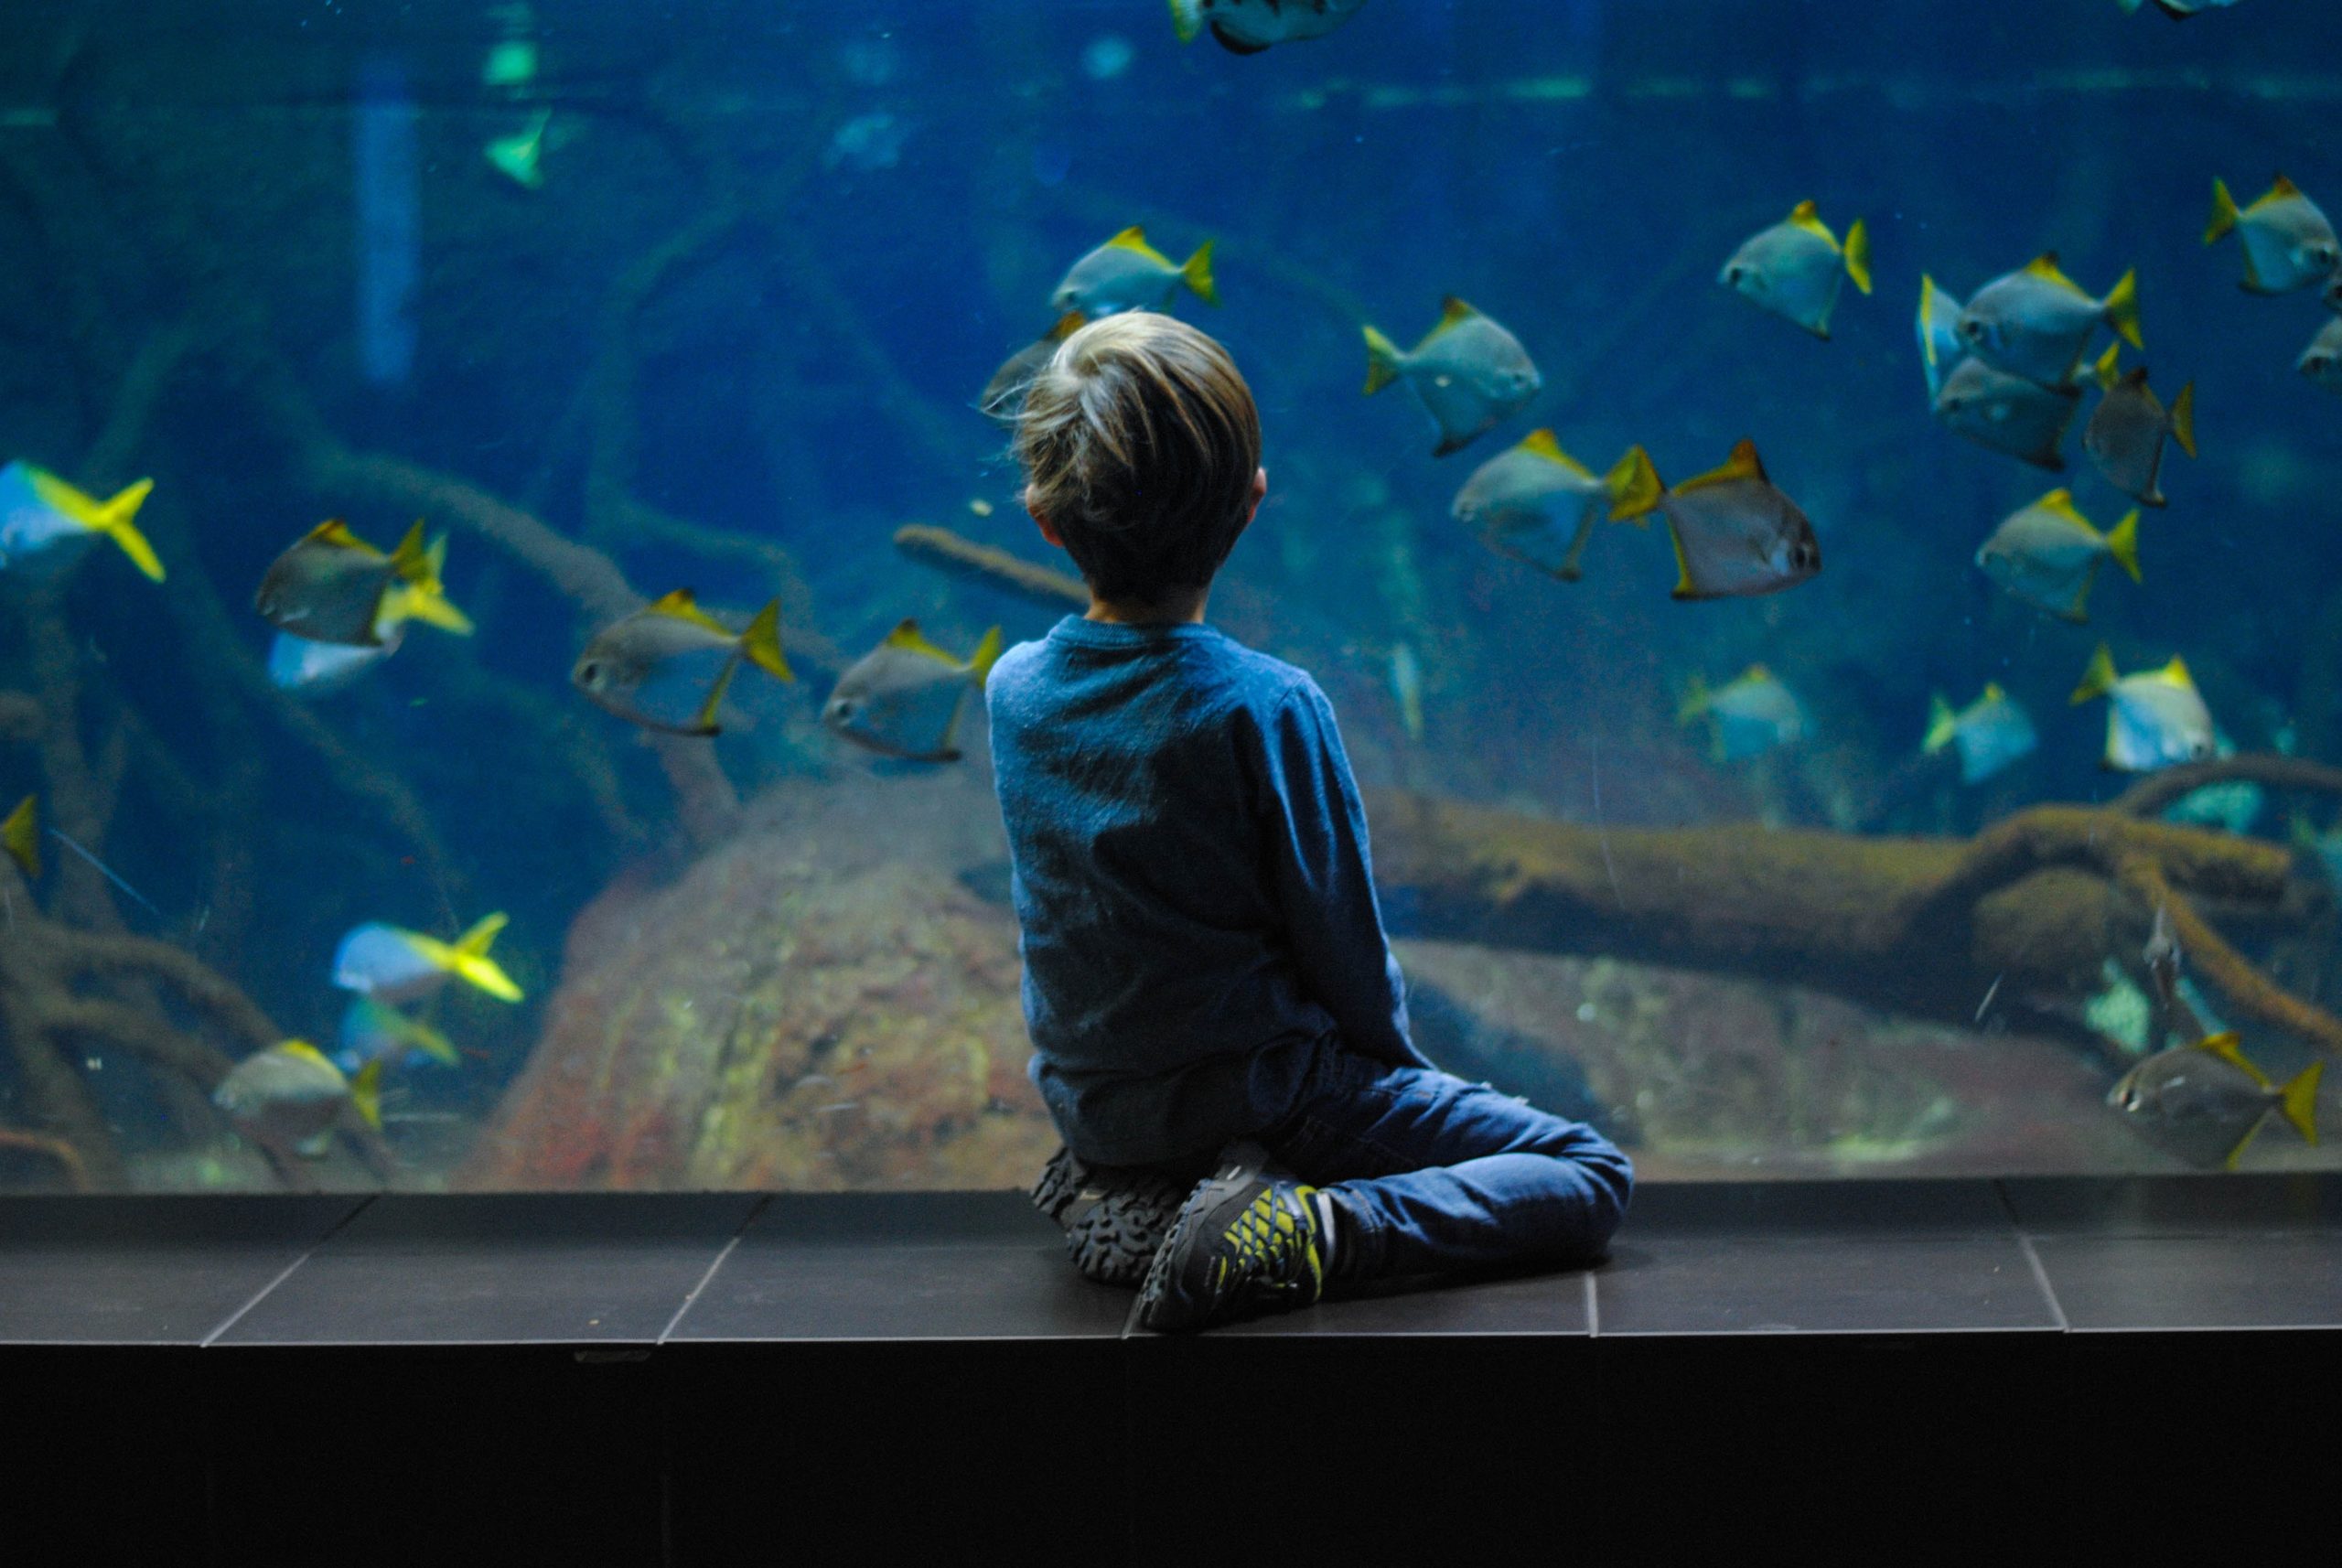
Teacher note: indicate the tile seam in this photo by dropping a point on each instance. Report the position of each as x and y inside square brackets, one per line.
[285, 1273]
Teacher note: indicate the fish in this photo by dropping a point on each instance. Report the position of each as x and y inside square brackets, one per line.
[290, 1097]
[1407, 687]
[666, 667]
[2207, 1100]
[1248, 26]
[2322, 360]
[333, 587]
[1128, 274]
[2126, 431]
[1749, 715]
[2047, 554]
[20, 836]
[1736, 533]
[394, 965]
[1940, 345]
[373, 1030]
[1003, 398]
[1795, 268]
[2008, 414]
[2035, 322]
[318, 669]
[519, 156]
[904, 698]
[1537, 504]
[2287, 242]
[1470, 373]
[1990, 733]
[2153, 718]
[46, 524]
[2332, 292]
[2177, 10]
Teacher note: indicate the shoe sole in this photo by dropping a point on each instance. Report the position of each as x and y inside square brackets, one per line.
[1156, 1293]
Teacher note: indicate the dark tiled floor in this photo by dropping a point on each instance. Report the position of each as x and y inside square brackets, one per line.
[1718, 1283]
[2174, 1206]
[2243, 1280]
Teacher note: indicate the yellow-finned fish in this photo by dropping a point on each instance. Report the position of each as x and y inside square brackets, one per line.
[2153, 718]
[1003, 398]
[1469, 373]
[2322, 360]
[2288, 243]
[1749, 715]
[2047, 554]
[1128, 274]
[373, 1030]
[1991, 733]
[1736, 533]
[1538, 504]
[394, 965]
[904, 698]
[2008, 414]
[2126, 431]
[20, 836]
[1794, 269]
[1941, 346]
[520, 157]
[2205, 1101]
[2035, 321]
[289, 1097]
[1248, 26]
[46, 524]
[666, 666]
[333, 587]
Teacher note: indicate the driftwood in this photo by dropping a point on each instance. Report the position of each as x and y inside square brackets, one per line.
[965, 558]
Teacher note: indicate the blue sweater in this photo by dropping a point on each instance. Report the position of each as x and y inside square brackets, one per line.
[1191, 877]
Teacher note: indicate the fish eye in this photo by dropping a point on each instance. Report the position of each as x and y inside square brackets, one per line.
[1972, 329]
[590, 673]
[1734, 272]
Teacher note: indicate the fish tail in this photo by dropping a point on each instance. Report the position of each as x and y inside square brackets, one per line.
[425, 598]
[366, 1093]
[480, 970]
[1382, 362]
[2298, 1102]
[761, 643]
[1187, 19]
[1695, 699]
[2224, 212]
[1941, 723]
[2123, 309]
[432, 1043]
[2122, 544]
[987, 655]
[2183, 419]
[1196, 273]
[112, 517]
[2098, 679]
[1857, 255]
[20, 835]
[2105, 369]
[483, 934]
[1634, 488]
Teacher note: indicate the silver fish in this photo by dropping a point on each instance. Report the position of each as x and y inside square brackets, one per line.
[904, 698]
[289, 1097]
[1736, 533]
[666, 667]
[2126, 431]
[1470, 373]
[2008, 414]
[1538, 504]
[333, 587]
[1794, 269]
[1248, 26]
[2047, 553]
[1750, 714]
[2205, 1101]
[2153, 719]
[1991, 733]
[2322, 360]
[2288, 243]
[1941, 346]
[1128, 274]
[2034, 321]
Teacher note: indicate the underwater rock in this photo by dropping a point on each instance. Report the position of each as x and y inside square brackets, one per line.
[818, 1005]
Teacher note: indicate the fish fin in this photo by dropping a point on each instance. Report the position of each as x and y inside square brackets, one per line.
[1744, 463]
[482, 935]
[682, 605]
[1941, 724]
[2045, 267]
[705, 721]
[2183, 419]
[2298, 1100]
[1542, 444]
[2122, 544]
[987, 655]
[2224, 1046]
[433, 1044]
[335, 533]
[1857, 255]
[366, 1093]
[2105, 368]
[305, 1050]
[2224, 212]
[1234, 45]
[2123, 309]
[1634, 488]
[761, 643]
[907, 638]
[2061, 502]
[1187, 19]
[2175, 672]
[20, 835]
[2235, 1155]
[426, 598]
[2098, 679]
[1196, 273]
[1696, 698]
[111, 516]
[1072, 322]
[1383, 361]
[1450, 311]
[1993, 692]
[411, 561]
[2280, 188]
[1133, 239]
[1685, 587]
[484, 973]
[1805, 215]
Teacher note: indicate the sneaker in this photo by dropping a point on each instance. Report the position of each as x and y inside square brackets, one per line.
[1245, 1242]
[1114, 1219]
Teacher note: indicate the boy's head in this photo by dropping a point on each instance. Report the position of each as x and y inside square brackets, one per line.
[1142, 450]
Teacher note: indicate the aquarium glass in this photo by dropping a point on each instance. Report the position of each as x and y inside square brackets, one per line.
[1743, 771]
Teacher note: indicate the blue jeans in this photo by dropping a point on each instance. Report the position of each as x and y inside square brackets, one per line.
[1435, 1174]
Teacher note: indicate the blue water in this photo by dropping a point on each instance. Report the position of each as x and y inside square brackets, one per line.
[895, 189]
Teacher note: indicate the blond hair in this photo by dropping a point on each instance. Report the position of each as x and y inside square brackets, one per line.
[1139, 441]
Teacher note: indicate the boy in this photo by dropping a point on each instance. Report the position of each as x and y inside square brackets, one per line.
[1205, 968]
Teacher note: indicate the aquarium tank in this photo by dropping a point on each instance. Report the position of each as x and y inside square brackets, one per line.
[1817, 523]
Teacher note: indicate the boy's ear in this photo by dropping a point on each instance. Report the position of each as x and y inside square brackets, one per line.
[1049, 531]
[1259, 491]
